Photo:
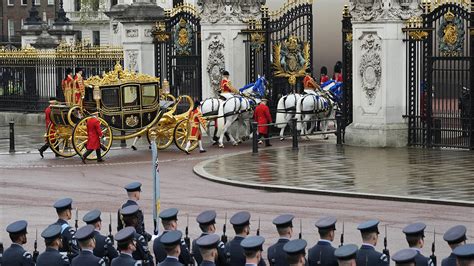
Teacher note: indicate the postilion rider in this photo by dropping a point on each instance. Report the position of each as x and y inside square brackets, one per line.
[195, 122]
[310, 86]
[226, 88]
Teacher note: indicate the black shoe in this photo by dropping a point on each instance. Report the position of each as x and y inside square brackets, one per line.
[187, 152]
[134, 148]
[202, 151]
[100, 160]
[83, 160]
[41, 153]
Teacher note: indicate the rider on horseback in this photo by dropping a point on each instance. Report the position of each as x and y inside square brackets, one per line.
[310, 86]
[226, 88]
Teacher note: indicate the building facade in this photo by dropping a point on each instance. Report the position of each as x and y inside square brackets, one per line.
[14, 14]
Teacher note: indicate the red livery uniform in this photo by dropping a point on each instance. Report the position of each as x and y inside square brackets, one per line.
[309, 83]
[67, 85]
[262, 116]
[324, 78]
[47, 116]
[338, 77]
[79, 89]
[94, 133]
[195, 121]
[226, 86]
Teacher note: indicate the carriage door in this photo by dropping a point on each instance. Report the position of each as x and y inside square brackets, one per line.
[441, 81]
[178, 51]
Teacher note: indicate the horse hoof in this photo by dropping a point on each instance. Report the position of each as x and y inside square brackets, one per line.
[221, 145]
[239, 142]
[235, 143]
[282, 139]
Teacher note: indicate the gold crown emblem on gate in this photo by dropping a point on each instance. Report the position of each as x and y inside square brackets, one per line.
[449, 16]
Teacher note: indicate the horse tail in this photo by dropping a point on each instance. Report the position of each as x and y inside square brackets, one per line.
[280, 115]
[299, 116]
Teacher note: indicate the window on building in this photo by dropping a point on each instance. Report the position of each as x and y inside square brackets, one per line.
[50, 21]
[96, 37]
[50, 2]
[95, 5]
[11, 29]
[79, 36]
[24, 2]
[37, 2]
[22, 22]
[113, 3]
[11, 2]
[77, 5]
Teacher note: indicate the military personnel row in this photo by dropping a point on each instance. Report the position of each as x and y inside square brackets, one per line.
[64, 245]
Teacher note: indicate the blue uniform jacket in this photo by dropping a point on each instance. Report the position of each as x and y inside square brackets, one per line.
[276, 255]
[449, 261]
[368, 256]
[322, 254]
[160, 253]
[170, 261]
[103, 246]
[125, 260]
[86, 257]
[16, 255]
[235, 252]
[52, 257]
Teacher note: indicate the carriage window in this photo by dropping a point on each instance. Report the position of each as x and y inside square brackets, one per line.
[110, 97]
[148, 94]
[130, 95]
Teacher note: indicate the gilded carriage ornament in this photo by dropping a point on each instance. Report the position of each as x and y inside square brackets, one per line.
[451, 35]
[183, 38]
[257, 40]
[132, 121]
[291, 58]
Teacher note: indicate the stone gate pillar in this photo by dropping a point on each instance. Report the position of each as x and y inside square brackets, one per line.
[137, 21]
[222, 43]
[379, 72]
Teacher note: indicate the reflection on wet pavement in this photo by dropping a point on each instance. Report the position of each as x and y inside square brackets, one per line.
[419, 173]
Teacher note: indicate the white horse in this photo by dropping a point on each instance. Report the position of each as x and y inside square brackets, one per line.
[314, 106]
[286, 110]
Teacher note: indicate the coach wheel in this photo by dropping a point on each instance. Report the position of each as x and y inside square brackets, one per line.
[181, 135]
[60, 140]
[79, 137]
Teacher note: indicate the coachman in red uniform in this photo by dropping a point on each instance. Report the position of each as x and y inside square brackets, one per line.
[47, 118]
[195, 121]
[262, 116]
[94, 133]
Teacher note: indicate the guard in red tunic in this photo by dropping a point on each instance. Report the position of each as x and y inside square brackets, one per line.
[262, 116]
[47, 113]
[94, 133]
[324, 75]
[195, 121]
[338, 72]
[79, 87]
[67, 86]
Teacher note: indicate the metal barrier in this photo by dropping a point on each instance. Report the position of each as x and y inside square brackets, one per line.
[11, 136]
[340, 129]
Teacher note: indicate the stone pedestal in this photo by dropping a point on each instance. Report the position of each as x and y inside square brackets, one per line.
[137, 21]
[379, 74]
[222, 44]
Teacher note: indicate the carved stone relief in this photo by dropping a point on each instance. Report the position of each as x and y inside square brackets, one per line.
[216, 61]
[131, 33]
[229, 11]
[132, 56]
[148, 32]
[370, 66]
[379, 10]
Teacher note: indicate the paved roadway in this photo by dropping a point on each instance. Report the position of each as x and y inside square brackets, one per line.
[29, 186]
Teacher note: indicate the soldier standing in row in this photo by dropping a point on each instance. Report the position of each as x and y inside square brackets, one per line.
[64, 210]
[455, 236]
[207, 221]
[169, 220]
[208, 249]
[367, 255]
[252, 247]
[130, 218]
[126, 246]
[85, 237]
[415, 235]
[52, 241]
[234, 251]
[464, 255]
[323, 252]
[104, 248]
[295, 252]
[16, 254]
[346, 255]
[134, 190]
[171, 243]
[284, 225]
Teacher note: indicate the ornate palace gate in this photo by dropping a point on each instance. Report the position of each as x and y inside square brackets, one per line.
[178, 50]
[440, 73]
[280, 47]
[346, 104]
